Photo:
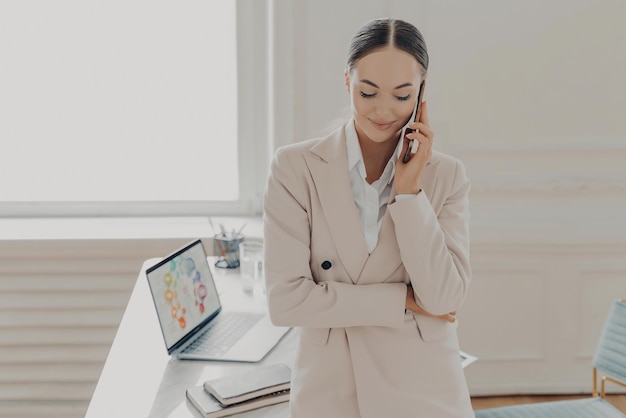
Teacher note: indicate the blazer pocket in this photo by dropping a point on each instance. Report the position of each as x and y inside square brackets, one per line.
[432, 329]
[318, 336]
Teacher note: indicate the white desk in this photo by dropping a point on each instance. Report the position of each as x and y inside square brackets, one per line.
[139, 379]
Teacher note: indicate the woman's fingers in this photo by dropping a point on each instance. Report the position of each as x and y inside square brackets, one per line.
[447, 317]
[450, 317]
[420, 129]
[424, 139]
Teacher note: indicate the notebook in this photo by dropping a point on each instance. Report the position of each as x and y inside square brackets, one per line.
[209, 407]
[190, 313]
[243, 386]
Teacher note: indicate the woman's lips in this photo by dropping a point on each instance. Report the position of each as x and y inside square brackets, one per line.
[382, 126]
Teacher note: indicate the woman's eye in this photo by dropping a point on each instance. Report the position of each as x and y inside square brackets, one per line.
[404, 98]
[367, 96]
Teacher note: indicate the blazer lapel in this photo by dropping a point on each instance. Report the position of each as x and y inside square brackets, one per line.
[385, 259]
[328, 165]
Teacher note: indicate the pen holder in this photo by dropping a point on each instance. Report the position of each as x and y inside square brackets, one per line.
[226, 248]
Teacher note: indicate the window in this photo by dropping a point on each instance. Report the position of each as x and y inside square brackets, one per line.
[129, 107]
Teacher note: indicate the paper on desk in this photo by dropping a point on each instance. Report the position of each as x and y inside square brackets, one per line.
[467, 359]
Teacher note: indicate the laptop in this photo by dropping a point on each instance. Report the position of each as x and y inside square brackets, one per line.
[193, 323]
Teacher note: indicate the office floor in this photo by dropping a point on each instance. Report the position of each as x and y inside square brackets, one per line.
[619, 401]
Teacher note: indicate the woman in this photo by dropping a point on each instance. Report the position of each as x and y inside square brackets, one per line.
[368, 255]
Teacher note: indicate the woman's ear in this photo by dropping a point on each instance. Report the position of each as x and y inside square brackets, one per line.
[347, 77]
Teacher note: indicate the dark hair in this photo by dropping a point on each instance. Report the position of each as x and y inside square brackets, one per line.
[380, 33]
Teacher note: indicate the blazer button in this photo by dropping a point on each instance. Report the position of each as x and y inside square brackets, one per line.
[326, 265]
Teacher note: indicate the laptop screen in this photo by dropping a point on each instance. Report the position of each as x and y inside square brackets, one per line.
[183, 291]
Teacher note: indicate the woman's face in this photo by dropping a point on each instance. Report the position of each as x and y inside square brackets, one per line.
[383, 89]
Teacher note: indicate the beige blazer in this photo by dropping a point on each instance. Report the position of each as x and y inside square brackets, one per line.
[359, 354]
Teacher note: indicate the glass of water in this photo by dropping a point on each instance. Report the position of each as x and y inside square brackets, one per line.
[251, 267]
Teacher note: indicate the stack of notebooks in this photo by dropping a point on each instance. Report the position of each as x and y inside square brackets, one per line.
[262, 386]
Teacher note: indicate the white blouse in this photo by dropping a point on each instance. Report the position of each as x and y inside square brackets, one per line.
[370, 199]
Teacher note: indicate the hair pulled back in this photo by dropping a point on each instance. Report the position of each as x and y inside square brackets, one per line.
[380, 33]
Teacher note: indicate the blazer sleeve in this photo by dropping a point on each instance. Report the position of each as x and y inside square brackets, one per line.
[435, 247]
[294, 298]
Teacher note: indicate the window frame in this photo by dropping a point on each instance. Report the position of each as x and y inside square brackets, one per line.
[252, 141]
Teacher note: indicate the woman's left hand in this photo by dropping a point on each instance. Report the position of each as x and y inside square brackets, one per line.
[408, 174]
[411, 305]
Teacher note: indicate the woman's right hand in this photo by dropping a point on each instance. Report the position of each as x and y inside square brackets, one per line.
[412, 306]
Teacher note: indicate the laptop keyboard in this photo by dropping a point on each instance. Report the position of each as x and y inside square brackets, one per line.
[222, 333]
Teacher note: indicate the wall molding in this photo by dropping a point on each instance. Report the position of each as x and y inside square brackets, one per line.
[548, 169]
[535, 311]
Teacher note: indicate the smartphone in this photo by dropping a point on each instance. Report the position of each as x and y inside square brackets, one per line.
[415, 116]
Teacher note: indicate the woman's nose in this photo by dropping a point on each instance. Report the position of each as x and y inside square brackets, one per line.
[384, 108]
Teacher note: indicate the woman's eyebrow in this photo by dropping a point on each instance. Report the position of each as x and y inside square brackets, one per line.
[371, 83]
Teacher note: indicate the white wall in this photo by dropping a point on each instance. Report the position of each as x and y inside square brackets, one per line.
[553, 71]
[531, 96]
